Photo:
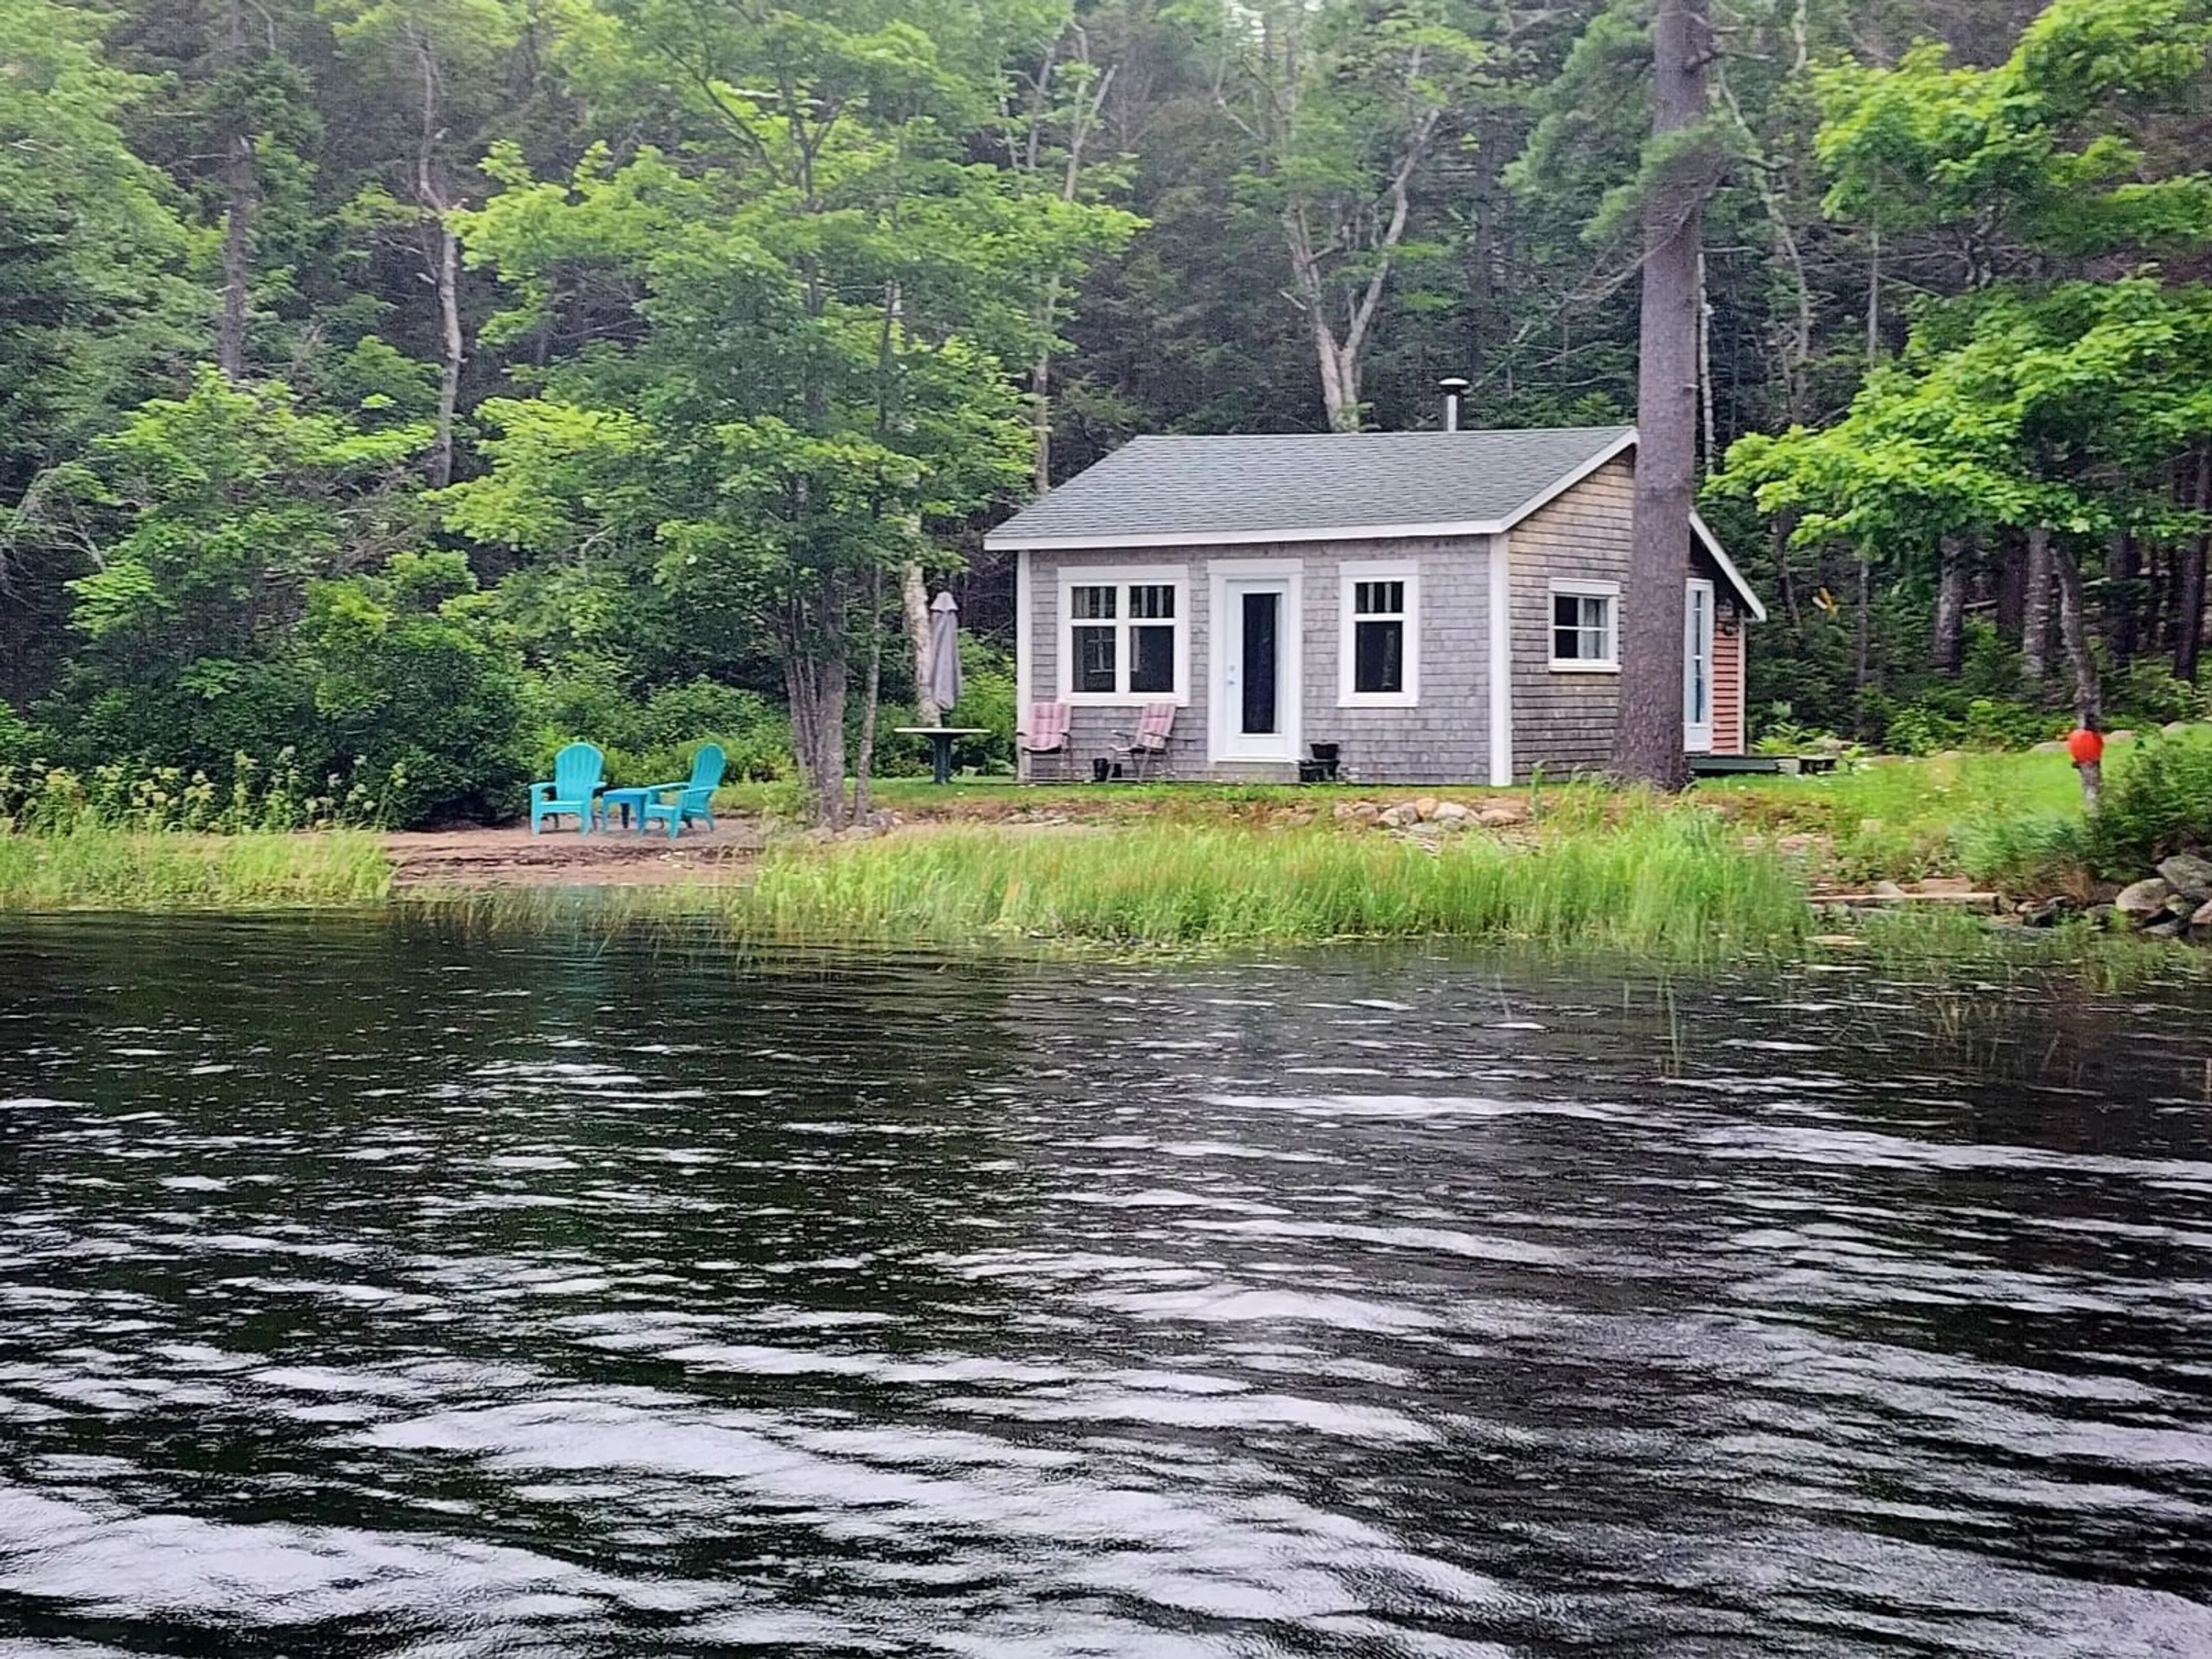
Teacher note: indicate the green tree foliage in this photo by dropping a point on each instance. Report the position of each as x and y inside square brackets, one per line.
[694, 333]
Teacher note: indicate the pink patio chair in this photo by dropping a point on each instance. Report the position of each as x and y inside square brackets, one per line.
[1148, 742]
[1045, 732]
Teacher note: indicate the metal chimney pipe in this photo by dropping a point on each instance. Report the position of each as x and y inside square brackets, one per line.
[1454, 388]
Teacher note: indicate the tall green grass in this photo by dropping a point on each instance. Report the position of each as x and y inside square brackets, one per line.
[1673, 885]
[98, 868]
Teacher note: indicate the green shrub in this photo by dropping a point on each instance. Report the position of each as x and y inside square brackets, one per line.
[43, 799]
[407, 687]
[1952, 719]
[2149, 695]
[653, 741]
[2157, 802]
[20, 742]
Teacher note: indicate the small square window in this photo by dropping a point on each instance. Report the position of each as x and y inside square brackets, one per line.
[1583, 628]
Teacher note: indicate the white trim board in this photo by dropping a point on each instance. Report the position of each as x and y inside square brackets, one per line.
[1072, 576]
[1501, 661]
[1350, 573]
[1712, 545]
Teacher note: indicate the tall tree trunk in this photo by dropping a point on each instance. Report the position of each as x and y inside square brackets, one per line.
[913, 608]
[2011, 584]
[2122, 601]
[1648, 741]
[2189, 606]
[1861, 674]
[2073, 628]
[815, 676]
[2035, 616]
[1951, 607]
[444, 255]
[1785, 526]
[242, 191]
[864, 763]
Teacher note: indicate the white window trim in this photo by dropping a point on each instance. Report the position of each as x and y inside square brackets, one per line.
[1350, 575]
[1562, 586]
[1176, 576]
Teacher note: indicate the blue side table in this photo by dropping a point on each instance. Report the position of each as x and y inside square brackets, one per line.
[627, 802]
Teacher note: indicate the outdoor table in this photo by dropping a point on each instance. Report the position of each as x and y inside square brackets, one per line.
[940, 744]
[624, 801]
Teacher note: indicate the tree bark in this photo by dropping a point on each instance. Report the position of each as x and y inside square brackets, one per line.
[864, 763]
[241, 189]
[817, 675]
[2122, 602]
[444, 255]
[2189, 607]
[1861, 674]
[1785, 526]
[1648, 740]
[2011, 594]
[1950, 643]
[2073, 628]
[913, 606]
[2035, 614]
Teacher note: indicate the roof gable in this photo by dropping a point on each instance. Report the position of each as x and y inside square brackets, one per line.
[1160, 492]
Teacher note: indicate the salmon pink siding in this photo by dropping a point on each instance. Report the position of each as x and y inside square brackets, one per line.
[1728, 631]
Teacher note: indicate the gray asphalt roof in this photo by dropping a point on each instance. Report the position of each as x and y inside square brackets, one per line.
[1249, 487]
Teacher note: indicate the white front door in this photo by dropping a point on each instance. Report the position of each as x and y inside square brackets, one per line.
[1698, 669]
[1255, 668]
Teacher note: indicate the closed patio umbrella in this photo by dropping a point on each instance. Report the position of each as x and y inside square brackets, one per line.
[945, 652]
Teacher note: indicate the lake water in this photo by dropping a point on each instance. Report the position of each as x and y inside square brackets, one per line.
[375, 1288]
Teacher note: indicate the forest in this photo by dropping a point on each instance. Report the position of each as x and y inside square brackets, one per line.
[391, 389]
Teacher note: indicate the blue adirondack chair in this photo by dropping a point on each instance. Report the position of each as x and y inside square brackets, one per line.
[575, 789]
[677, 804]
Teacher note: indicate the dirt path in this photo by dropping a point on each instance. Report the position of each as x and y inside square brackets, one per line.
[515, 858]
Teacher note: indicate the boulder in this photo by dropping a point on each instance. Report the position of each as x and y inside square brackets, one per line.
[1397, 817]
[2119, 737]
[2189, 875]
[2202, 921]
[2145, 899]
[2054, 747]
[2175, 728]
[2163, 930]
[1425, 808]
[1503, 810]
[1453, 815]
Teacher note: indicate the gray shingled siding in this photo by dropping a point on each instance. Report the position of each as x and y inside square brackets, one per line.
[1090, 730]
[1566, 721]
[1444, 739]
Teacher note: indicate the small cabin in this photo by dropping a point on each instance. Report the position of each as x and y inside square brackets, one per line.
[1440, 606]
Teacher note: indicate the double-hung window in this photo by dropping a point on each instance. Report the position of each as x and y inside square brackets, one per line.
[1585, 626]
[1124, 638]
[1379, 628]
